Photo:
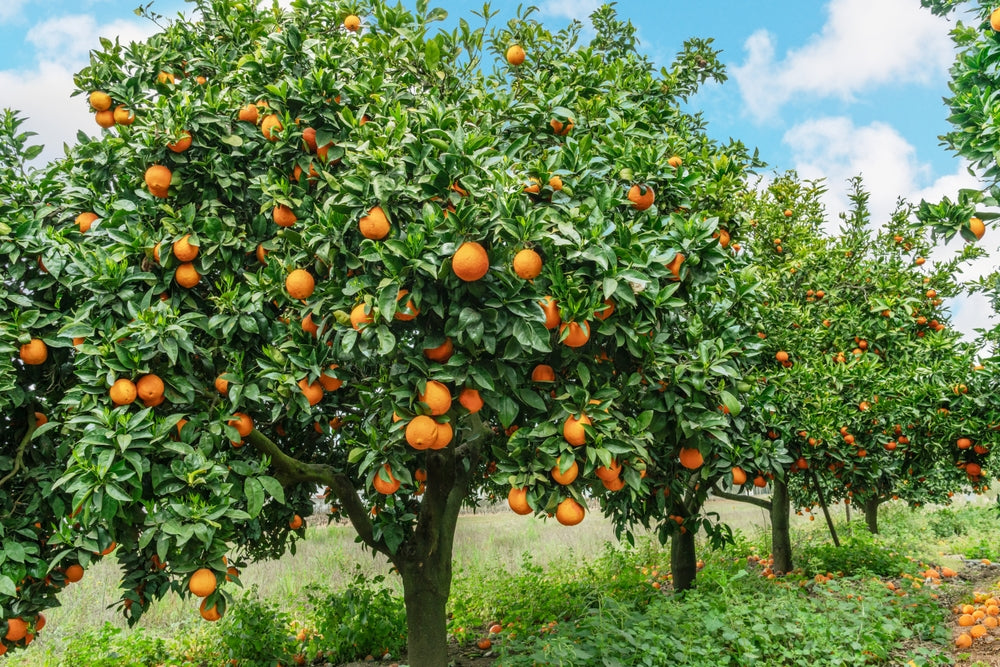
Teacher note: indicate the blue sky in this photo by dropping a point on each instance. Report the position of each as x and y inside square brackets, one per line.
[831, 88]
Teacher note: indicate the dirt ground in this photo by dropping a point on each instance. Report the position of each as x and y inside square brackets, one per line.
[458, 656]
[985, 652]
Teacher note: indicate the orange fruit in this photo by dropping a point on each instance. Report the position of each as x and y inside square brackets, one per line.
[995, 20]
[309, 326]
[470, 399]
[963, 641]
[422, 432]
[385, 487]
[283, 216]
[445, 433]
[270, 127]
[963, 443]
[123, 116]
[352, 22]
[85, 220]
[375, 225]
[183, 250]
[573, 429]
[527, 264]
[359, 317]
[551, 311]
[470, 262]
[515, 55]
[484, 644]
[607, 311]
[641, 196]
[691, 458]
[309, 139]
[313, 392]
[675, 265]
[919, 261]
[249, 114]
[186, 275]
[166, 77]
[609, 473]
[105, 119]
[242, 422]
[569, 512]
[122, 392]
[34, 352]
[561, 128]
[517, 499]
[565, 478]
[149, 388]
[157, 179]
[221, 385]
[181, 144]
[202, 582]
[16, 629]
[739, 476]
[977, 631]
[788, 212]
[781, 355]
[977, 227]
[300, 284]
[966, 620]
[295, 523]
[407, 312]
[74, 573]
[100, 101]
[261, 253]
[211, 614]
[543, 373]
[675, 161]
[40, 419]
[442, 353]
[556, 183]
[578, 335]
[329, 382]
[437, 396]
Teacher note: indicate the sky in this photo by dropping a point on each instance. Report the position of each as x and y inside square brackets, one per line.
[830, 88]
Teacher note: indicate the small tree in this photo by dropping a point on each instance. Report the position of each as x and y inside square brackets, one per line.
[386, 260]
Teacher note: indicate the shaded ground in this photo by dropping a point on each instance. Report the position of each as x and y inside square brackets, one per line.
[458, 656]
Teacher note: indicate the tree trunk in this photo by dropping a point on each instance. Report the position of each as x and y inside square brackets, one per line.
[871, 514]
[781, 540]
[826, 509]
[426, 586]
[683, 560]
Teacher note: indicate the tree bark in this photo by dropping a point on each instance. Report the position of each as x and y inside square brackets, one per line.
[781, 540]
[826, 510]
[683, 560]
[426, 586]
[871, 514]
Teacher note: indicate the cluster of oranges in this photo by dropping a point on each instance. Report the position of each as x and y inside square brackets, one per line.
[148, 388]
[977, 620]
[104, 115]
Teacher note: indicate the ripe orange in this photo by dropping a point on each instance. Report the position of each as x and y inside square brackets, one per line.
[607, 311]
[977, 227]
[385, 487]
[517, 499]
[579, 333]
[295, 523]
[183, 250]
[74, 573]
[551, 311]
[100, 101]
[470, 399]
[422, 432]
[573, 430]
[995, 20]
[445, 433]
[242, 422]
[359, 317]
[123, 116]
[675, 161]
[85, 220]
[40, 419]
[283, 216]
[211, 614]
[375, 225]
[352, 23]
[781, 355]
[739, 476]
[329, 382]
[149, 388]
[641, 196]
[300, 284]
[166, 77]
[966, 620]
[105, 119]
[675, 265]
[186, 275]
[543, 373]
[515, 55]
[34, 352]
[202, 582]
[261, 253]
[609, 473]
[158, 180]
[221, 385]
[556, 183]
[963, 443]
[313, 392]
[569, 512]
[249, 114]
[484, 644]
[309, 139]
[407, 312]
[919, 261]
[788, 212]
[963, 641]
[565, 478]
[437, 396]
[181, 144]
[561, 128]
[16, 629]
[470, 262]
[527, 264]
[442, 353]
[691, 458]
[122, 392]
[271, 127]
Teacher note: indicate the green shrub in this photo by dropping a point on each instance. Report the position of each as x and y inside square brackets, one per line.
[255, 632]
[859, 554]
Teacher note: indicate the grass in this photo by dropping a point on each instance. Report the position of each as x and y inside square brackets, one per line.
[552, 587]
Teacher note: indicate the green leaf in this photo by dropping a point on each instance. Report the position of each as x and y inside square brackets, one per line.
[432, 54]
[233, 140]
[273, 488]
[356, 455]
[254, 492]
[731, 403]
[7, 586]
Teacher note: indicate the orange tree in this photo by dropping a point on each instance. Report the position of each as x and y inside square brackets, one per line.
[866, 394]
[403, 264]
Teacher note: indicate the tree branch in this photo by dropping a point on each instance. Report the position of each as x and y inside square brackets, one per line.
[23, 445]
[292, 471]
[753, 500]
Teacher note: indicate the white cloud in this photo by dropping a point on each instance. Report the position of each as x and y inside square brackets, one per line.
[69, 38]
[579, 10]
[863, 43]
[10, 10]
